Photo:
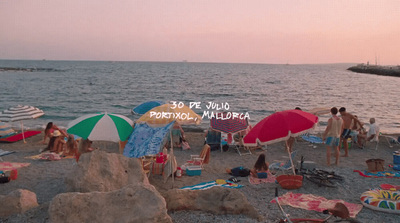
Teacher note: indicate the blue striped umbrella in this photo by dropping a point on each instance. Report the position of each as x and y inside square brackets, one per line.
[146, 106]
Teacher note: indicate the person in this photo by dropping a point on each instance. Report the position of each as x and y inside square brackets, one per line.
[290, 141]
[356, 130]
[260, 169]
[71, 146]
[372, 133]
[84, 146]
[56, 143]
[178, 135]
[332, 135]
[347, 119]
[48, 131]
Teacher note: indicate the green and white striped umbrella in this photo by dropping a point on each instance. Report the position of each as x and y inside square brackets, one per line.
[102, 127]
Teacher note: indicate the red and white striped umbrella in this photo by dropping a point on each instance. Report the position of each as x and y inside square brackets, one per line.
[19, 113]
[226, 122]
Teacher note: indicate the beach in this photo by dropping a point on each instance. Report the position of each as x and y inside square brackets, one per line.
[46, 179]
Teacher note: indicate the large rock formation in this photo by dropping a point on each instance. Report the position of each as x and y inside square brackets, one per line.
[102, 171]
[17, 202]
[133, 203]
[216, 200]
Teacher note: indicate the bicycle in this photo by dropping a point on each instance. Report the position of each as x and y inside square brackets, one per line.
[340, 211]
[320, 177]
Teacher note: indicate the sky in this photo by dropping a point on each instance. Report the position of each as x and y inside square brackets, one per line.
[231, 31]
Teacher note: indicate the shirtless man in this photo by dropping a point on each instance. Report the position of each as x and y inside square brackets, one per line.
[347, 118]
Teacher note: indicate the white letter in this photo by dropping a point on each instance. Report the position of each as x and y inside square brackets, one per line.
[152, 114]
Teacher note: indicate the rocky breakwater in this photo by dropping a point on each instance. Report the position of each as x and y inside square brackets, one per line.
[378, 70]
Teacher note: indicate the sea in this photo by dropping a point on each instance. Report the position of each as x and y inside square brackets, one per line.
[66, 90]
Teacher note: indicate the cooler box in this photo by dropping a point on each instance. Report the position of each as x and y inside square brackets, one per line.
[193, 170]
[396, 157]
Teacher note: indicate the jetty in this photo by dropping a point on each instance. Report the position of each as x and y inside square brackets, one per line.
[376, 69]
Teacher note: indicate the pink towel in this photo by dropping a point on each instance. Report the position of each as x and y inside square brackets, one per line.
[270, 179]
[6, 166]
[316, 203]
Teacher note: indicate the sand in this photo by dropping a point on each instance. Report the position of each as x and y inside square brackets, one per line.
[46, 179]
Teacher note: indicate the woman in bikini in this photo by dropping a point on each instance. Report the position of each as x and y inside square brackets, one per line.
[260, 169]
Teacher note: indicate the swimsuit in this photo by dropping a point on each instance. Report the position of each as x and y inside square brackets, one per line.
[346, 133]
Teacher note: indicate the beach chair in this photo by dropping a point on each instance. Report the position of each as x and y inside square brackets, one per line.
[374, 142]
[390, 140]
[238, 145]
[283, 166]
[213, 139]
[200, 160]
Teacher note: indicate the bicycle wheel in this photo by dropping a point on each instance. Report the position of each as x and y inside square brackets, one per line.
[320, 181]
[329, 175]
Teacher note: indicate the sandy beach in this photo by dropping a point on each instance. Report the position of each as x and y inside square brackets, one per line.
[46, 179]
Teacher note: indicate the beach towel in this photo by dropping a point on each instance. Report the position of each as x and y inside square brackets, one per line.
[315, 203]
[270, 179]
[208, 185]
[4, 152]
[387, 174]
[6, 166]
[312, 139]
[44, 156]
[18, 137]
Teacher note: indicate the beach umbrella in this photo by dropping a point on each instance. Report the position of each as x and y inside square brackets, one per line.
[101, 127]
[20, 113]
[167, 113]
[146, 106]
[227, 123]
[280, 126]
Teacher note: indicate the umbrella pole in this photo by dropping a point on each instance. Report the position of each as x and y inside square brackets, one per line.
[22, 129]
[172, 155]
[291, 161]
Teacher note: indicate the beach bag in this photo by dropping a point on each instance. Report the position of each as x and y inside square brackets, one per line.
[240, 172]
[375, 165]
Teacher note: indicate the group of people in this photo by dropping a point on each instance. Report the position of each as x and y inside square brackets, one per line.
[64, 144]
[340, 129]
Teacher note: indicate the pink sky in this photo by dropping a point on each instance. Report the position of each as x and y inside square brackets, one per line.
[261, 31]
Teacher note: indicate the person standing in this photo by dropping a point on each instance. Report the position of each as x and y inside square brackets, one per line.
[332, 135]
[347, 120]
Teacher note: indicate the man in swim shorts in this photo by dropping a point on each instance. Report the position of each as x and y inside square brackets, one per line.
[332, 135]
[347, 119]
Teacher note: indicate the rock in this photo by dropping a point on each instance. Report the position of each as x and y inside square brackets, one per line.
[102, 171]
[216, 200]
[133, 203]
[17, 202]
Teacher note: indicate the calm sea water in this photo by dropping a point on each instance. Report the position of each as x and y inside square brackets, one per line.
[65, 90]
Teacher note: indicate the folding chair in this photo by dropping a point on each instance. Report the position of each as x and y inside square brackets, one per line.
[283, 166]
[200, 160]
[238, 145]
[213, 139]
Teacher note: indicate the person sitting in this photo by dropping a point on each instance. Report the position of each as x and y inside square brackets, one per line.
[56, 143]
[71, 146]
[357, 129]
[84, 146]
[49, 130]
[260, 169]
[178, 135]
[372, 134]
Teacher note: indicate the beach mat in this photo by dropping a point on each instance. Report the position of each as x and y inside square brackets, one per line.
[43, 156]
[312, 139]
[18, 137]
[270, 179]
[387, 174]
[315, 203]
[4, 152]
[6, 166]
[208, 185]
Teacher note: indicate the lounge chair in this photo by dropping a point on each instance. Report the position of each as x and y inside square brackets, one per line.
[390, 140]
[283, 166]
